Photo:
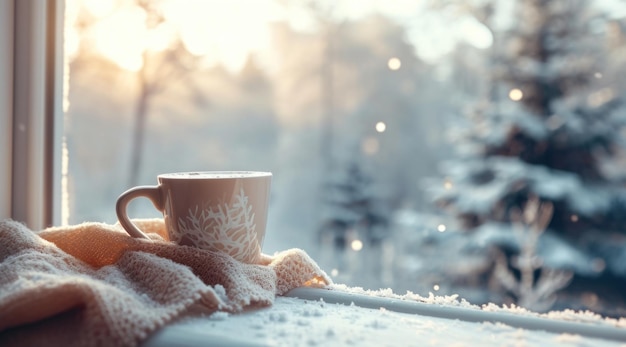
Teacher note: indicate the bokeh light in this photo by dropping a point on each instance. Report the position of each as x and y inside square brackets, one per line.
[356, 245]
[516, 94]
[394, 64]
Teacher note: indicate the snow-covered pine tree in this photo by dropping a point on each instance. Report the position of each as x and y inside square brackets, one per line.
[353, 207]
[551, 131]
[354, 225]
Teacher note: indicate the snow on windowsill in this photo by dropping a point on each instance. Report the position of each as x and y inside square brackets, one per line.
[588, 317]
[346, 316]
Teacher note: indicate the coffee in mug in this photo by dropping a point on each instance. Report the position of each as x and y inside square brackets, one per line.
[220, 211]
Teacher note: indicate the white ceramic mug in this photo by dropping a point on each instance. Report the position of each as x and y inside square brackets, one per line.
[221, 211]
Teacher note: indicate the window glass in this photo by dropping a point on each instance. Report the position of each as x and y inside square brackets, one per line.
[468, 147]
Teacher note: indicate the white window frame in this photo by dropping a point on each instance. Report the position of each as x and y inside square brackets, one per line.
[31, 97]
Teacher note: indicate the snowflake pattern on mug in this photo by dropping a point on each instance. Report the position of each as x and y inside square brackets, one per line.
[226, 227]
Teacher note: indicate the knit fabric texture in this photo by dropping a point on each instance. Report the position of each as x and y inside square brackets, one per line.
[93, 285]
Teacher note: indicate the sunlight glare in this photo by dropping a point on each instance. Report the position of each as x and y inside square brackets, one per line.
[72, 43]
[99, 8]
[71, 38]
[160, 38]
[381, 127]
[222, 29]
[227, 32]
[120, 37]
[441, 228]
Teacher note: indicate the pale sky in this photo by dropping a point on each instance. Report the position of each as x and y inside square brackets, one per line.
[227, 31]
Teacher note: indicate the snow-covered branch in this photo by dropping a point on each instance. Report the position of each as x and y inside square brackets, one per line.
[535, 293]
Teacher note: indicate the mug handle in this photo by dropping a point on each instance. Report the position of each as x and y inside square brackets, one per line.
[151, 192]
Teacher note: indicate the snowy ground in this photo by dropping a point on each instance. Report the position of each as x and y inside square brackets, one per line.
[297, 322]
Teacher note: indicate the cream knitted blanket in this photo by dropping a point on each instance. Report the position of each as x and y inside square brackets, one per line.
[93, 285]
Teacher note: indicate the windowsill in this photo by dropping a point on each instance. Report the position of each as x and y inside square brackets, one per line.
[309, 316]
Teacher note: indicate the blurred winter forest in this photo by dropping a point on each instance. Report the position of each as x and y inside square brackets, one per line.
[468, 147]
